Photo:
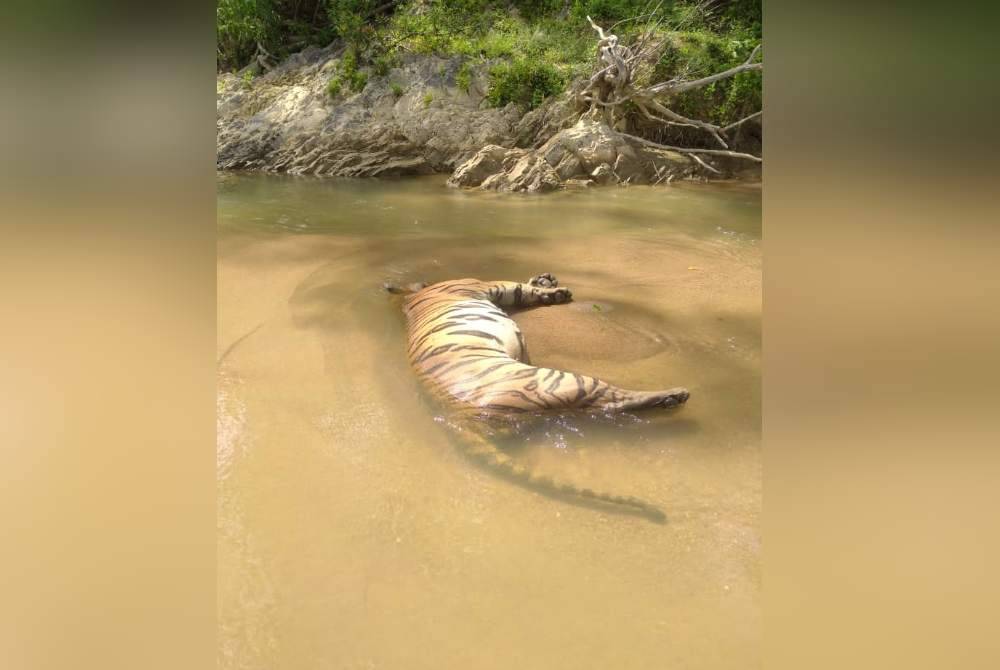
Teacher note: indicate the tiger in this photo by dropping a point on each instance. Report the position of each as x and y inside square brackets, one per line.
[471, 357]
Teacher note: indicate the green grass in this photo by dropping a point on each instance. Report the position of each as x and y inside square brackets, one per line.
[333, 88]
[463, 78]
[531, 54]
[382, 64]
[697, 54]
[347, 74]
[524, 82]
[358, 81]
[536, 54]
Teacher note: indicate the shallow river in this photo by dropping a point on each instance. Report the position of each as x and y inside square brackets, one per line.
[353, 534]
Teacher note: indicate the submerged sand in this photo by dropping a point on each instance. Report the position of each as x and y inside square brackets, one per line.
[351, 533]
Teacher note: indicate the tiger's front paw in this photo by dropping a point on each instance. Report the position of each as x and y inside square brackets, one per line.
[555, 296]
[544, 280]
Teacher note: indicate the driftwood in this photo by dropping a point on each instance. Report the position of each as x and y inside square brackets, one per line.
[613, 84]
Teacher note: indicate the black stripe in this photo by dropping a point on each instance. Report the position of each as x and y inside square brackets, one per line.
[581, 391]
[433, 368]
[466, 361]
[591, 400]
[524, 397]
[431, 353]
[477, 333]
[430, 332]
[480, 375]
[555, 383]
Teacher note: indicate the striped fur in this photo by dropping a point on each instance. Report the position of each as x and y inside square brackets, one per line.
[472, 357]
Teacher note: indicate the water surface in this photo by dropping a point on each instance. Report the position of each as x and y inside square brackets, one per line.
[352, 533]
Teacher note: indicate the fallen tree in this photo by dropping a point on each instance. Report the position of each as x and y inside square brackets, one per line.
[613, 84]
[603, 145]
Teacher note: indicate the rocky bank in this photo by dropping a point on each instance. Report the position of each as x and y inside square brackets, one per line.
[413, 120]
[416, 119]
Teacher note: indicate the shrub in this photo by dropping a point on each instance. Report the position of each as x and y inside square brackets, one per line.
[523, 82]
[382, 65]
[532, 9]
[349, 63]
[428, 99]
[698, 54]
[348, 73]
[277, 24]
[464, 76]
[349, 20]
[606, 12]
[396, 89]
[239, 25]
[333, 88]
[358, 81]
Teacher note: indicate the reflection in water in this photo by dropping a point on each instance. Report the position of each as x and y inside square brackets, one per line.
[353, 535]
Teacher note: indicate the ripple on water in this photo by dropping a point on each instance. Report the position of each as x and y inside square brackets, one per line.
[596, 330]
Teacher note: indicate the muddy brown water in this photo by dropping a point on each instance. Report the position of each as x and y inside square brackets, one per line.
[351, 531]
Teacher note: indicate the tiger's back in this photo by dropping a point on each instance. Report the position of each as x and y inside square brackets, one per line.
[463, 346]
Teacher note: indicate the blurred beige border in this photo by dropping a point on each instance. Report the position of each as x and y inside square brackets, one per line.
[880, 339]
[107, 347]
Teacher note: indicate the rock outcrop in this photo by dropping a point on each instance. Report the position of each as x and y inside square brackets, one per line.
[413, 120]
[589, 152]
[416, 119]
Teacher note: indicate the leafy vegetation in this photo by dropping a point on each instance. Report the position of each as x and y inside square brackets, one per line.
[695, 54]
[523, 82]
[463, 78]
[333, 88]
[532, 49]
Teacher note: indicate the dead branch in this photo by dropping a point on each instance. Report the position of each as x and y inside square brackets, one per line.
[262, 57]
[677, 118]
[652, 117]
[703, 163]
[680, 87]
[712, 152]
[612, 84]
[755, 115]
[600, 31]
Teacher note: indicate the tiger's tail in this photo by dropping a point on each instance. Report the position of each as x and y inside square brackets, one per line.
[485, 452]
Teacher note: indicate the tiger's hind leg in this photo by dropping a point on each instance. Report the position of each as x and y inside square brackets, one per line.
[627, 401]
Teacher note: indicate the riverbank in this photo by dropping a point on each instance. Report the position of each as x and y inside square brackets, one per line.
[414, 120]
[506, 109]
